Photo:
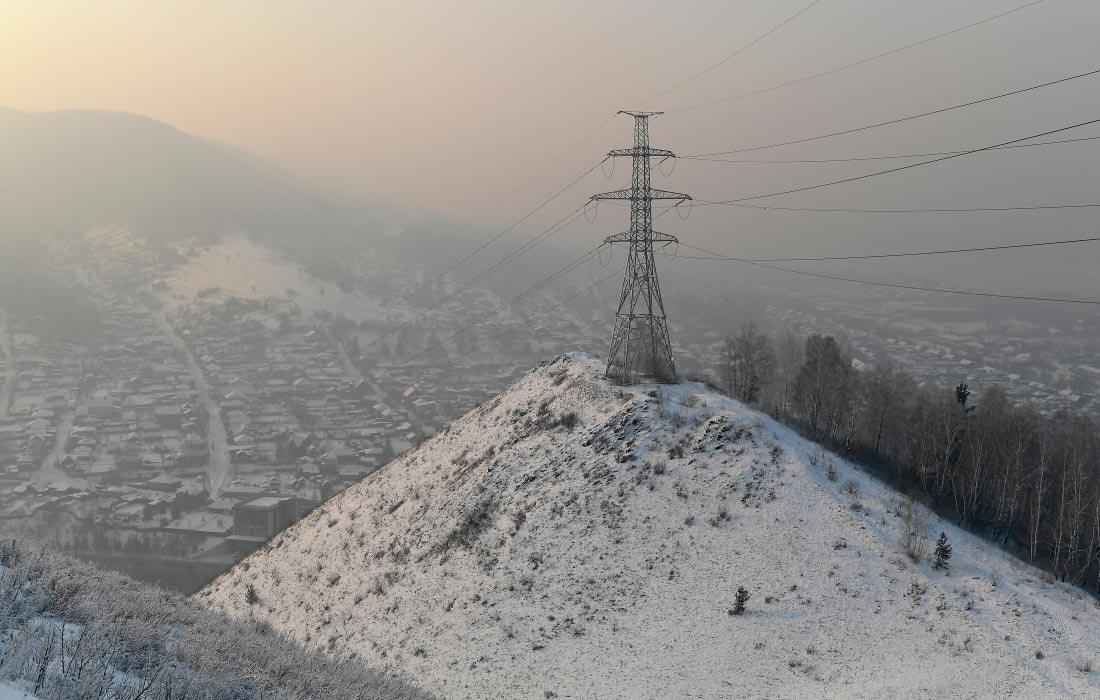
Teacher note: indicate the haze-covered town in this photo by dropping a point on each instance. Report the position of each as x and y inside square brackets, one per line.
[203, 421]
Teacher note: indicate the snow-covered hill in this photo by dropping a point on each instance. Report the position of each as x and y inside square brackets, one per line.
[69, 630]
[575, 539]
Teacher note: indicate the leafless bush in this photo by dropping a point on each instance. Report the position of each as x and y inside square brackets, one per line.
[473, 524]
[690, 400]
[568, 420]
[915, 519]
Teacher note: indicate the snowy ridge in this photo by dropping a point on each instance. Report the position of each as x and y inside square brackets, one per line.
[70, 630]
[578, 540]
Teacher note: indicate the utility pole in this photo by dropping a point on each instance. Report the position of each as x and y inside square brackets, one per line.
[640, 344]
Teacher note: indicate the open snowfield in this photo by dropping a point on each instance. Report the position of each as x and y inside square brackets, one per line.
[240, 267]
[518, 554]
[9, 691]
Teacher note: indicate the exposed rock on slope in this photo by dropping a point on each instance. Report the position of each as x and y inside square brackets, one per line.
[574, 539]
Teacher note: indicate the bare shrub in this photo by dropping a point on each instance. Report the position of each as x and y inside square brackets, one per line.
[473, 524]
[691, 400]
[915, 519]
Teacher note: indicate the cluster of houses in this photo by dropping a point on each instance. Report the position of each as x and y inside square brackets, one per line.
[109, 433]
[954, 358]
[432, 400]
[40, 388]
[301, 424]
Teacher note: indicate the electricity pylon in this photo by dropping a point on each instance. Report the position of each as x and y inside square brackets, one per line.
[640, 344]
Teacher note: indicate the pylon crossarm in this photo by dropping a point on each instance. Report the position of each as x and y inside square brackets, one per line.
[614, 194]
[665, 194]
[651, 194]
[641, 153]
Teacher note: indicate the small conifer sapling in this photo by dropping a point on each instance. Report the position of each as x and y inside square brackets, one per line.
[943, 552]
[739, 601]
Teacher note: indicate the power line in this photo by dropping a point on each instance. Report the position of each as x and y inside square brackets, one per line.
[593, 132]
[557, 227]
[854, 63]
[897, 286]
[562, 155]
[1011, 246]
[530, 290]
[546, 167]
[1041, 207]
[900, 120]
[868, 158]
[903, 167]
[561, 272]
[560, 304]
[589, 135]
[500, 235]
[511, 257]
[548, 280]
[733, 55]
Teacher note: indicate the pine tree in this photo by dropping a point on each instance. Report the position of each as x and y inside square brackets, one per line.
[943, 552]
[962, 395]
[739, 601]
[251, 596]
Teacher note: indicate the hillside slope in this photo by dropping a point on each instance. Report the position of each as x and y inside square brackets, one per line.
[574, 539]
[73, 169]
[70, 630]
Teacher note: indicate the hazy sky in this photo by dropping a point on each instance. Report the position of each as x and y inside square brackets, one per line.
[442, 107]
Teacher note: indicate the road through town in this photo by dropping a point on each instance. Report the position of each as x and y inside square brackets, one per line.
[221, 468]
[8, 387]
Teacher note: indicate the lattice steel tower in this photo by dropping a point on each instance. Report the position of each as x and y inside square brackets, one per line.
[640, 344]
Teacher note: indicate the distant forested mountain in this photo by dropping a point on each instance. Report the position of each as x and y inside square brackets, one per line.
[61, 172]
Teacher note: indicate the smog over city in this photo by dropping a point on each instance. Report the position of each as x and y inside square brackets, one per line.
[600, 349]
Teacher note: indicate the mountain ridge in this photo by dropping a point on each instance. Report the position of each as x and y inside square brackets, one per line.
[71, 169]
[571, 538]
